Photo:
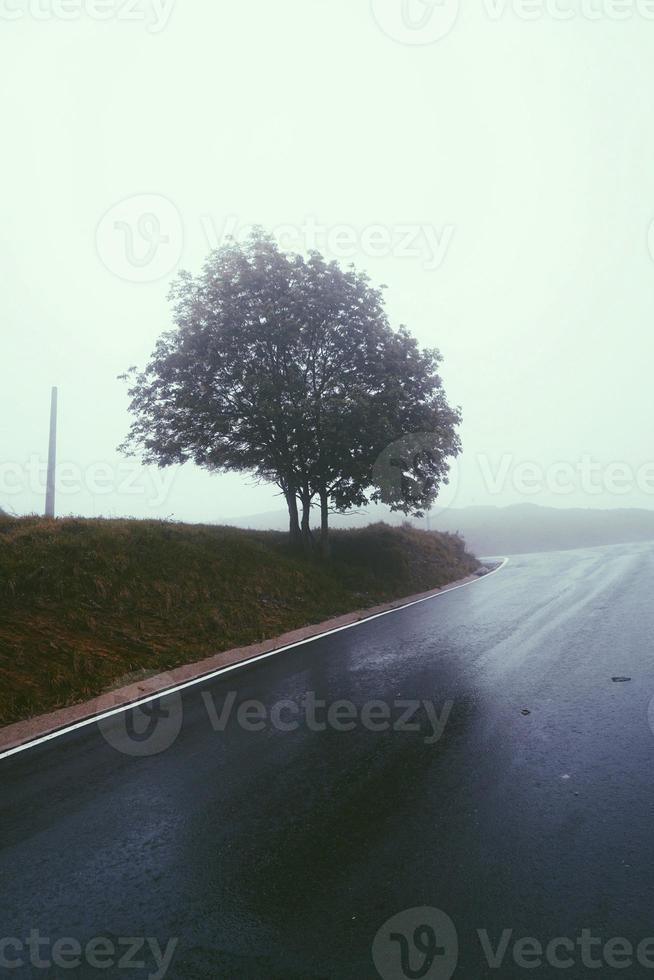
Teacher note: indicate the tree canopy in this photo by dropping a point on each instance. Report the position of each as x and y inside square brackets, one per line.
[286, 367]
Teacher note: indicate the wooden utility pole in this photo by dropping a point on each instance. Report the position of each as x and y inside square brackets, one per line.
[52, 458]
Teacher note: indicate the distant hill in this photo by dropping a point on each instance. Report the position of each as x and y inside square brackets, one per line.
[528, 527]
[505, 530]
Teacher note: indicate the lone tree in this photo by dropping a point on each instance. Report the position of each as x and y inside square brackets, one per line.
[287, 368]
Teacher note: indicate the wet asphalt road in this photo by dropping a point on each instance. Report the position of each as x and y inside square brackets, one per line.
[275, 854]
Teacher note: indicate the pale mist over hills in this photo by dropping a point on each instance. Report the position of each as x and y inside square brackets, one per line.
[512, 530]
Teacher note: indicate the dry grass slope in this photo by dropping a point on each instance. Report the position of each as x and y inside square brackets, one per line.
[85, 603]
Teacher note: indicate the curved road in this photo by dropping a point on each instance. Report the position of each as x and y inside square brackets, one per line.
[275, 853]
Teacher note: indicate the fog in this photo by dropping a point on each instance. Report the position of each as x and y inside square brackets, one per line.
[498, 179]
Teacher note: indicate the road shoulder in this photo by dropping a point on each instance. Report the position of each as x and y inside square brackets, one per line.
[22, 733]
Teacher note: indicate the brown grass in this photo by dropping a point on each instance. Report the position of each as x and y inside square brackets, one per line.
[85, 603]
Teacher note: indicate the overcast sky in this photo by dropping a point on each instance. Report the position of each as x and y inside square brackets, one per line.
[493, 165]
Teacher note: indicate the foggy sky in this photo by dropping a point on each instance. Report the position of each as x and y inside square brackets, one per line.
[499, 179]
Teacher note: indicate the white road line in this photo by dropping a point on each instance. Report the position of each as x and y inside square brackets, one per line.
[93, 719]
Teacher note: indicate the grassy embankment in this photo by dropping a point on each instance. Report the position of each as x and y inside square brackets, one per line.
[85, 603]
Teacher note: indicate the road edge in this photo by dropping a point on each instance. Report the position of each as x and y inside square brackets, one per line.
[35, 731]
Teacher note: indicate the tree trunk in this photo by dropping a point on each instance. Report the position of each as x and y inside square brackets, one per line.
[307, 537]
[325, 546]
[294, 518]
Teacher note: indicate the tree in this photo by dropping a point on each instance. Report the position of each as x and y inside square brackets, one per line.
[287, 368]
